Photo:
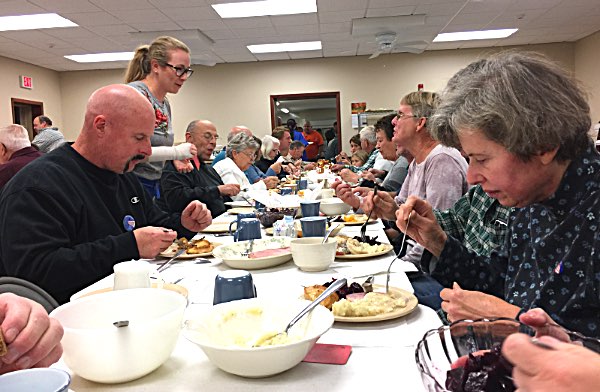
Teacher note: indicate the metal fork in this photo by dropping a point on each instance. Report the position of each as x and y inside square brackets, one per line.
[387, 279]
[363, 228]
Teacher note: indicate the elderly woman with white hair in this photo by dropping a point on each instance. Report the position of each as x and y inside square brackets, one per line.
[269, 154]
[255, 173]
[241, 153]
[15, 151]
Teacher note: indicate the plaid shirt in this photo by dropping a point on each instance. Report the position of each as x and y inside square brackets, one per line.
[476, 220]
[368, 164]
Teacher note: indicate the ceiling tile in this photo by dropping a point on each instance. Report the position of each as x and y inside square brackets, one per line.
[238, 57]
[394, 11]
[336, 5]
[19, 7]
[294, 20]
[249, 23]
[155, 26]
[474, 7]
[120, 5]
[219, 34]
[65, 6]
[204, 25]
[340, 16]
[86, 19]
[120, 30]
[445, 9]
[191, 13]
[179, 3]
[268, 32]
[70, 32]
[142, 16]
[303, 29]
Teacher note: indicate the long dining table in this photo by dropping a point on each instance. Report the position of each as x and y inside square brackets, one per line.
[382, 352]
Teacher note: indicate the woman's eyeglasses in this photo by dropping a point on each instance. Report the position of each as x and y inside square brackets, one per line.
[180, 71]
[400, 116]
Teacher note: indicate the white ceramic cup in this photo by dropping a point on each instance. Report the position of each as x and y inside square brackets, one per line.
[132, 275]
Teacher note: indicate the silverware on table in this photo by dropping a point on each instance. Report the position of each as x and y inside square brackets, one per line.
[363, 228]
[387, 279]
[167, 264]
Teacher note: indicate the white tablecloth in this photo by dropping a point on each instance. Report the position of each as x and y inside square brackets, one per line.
[382, 354]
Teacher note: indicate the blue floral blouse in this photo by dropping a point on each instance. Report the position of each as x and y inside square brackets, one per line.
[551, 257]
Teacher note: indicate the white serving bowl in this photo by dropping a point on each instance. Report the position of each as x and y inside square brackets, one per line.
[215, 336]
[334, 206]
[311, 255]
[38, 380]
[98, 351]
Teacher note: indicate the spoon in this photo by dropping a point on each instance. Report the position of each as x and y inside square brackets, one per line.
[328, 233]
[387, 280]
[332, 287]
[121, 324]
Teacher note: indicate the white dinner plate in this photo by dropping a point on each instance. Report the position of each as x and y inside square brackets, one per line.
[231, 253]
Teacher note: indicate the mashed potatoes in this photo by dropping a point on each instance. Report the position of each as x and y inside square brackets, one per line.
[372, 304]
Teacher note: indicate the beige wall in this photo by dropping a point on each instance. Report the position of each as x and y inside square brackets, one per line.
[232, 94]
[587, 64]
[46, 89]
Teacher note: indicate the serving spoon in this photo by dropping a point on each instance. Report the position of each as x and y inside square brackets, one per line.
[332, 288]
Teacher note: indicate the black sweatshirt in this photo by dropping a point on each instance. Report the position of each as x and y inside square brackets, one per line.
[64, 222]
[179, 189]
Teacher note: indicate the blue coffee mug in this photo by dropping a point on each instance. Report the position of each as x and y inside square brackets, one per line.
[258, 205]
[237, 222]
[302, 184]
[313, 226]
[248, 229]
[285, 191]
[310, 208]
[233, 285]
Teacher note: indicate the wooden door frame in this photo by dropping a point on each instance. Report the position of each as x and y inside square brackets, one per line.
[327, 94]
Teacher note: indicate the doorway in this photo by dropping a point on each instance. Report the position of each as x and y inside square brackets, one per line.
[322, 109]
[24, 111]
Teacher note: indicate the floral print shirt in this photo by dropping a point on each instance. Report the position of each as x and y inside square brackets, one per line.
[551, 257]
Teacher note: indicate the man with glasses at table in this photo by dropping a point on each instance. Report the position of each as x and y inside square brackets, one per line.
[202, 183]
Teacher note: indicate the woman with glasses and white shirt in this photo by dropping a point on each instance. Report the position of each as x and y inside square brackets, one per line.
[155, 70]
[241, 153]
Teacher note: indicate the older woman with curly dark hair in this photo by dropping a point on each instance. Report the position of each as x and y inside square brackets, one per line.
[523, 121]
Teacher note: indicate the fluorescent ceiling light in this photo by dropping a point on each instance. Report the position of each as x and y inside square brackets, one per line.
[285, 47]
[285, 110]
[33, 22]
[265, 8]
[472, 35]
[101, 57]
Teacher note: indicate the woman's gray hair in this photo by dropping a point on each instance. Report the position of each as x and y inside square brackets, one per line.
[239, 143]
[520, 100]
[368, 134]
[268, 145]
[14, 137]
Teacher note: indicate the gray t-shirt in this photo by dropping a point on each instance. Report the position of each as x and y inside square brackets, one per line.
[163, 132]
[441, 179]
[395, 177]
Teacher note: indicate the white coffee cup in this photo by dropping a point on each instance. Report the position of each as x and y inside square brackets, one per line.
[131, 275]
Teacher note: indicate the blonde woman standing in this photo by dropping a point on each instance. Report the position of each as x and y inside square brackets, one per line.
[155, 70]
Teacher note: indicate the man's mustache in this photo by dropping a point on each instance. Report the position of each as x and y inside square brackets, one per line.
[137, 157]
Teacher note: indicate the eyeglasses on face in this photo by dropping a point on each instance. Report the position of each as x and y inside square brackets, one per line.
[180, 71]
[210, 136]
[249, 154]
[400, 116]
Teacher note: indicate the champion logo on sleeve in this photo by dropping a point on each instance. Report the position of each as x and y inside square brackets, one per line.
[135, 200]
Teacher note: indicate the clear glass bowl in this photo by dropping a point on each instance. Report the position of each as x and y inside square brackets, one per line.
[441, 347]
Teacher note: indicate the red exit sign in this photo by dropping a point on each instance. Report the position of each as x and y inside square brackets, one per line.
[26, 82]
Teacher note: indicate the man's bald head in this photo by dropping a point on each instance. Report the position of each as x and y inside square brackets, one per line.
[238, 129]
[203, 134]
[118, 125]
